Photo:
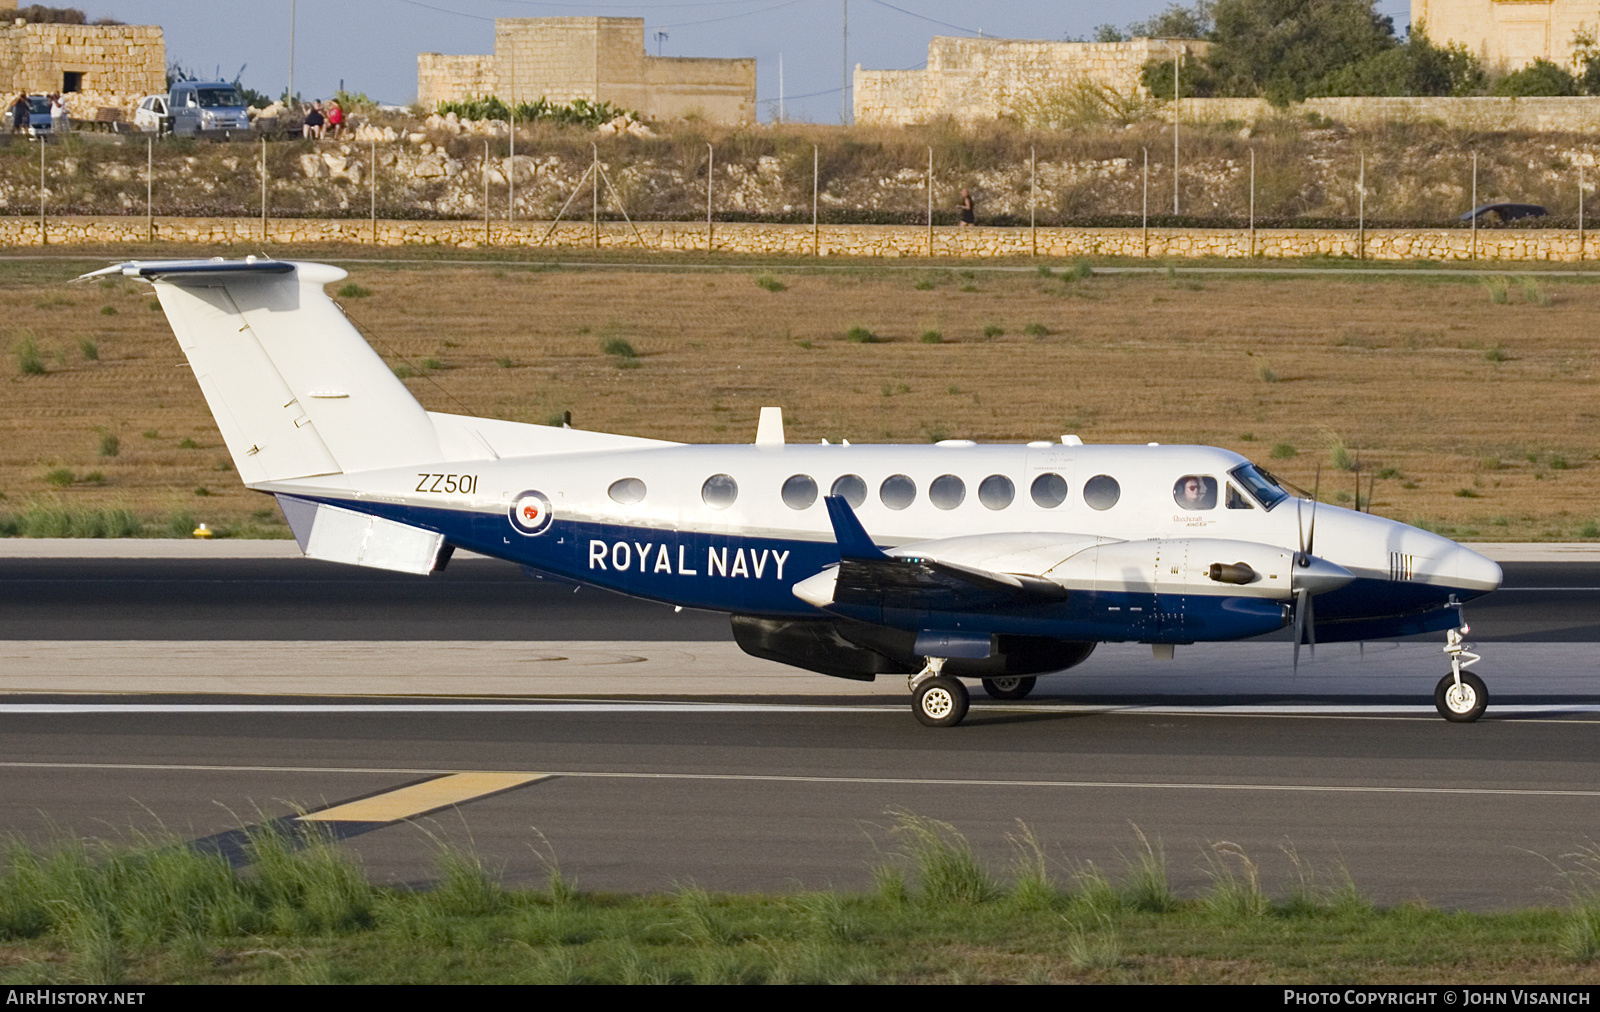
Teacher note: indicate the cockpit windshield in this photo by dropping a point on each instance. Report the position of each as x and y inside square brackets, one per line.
[1259, 484]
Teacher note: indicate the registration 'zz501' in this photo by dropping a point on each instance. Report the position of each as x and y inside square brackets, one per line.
[464, 484]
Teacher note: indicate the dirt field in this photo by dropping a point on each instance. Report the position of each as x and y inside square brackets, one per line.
[1475, 416]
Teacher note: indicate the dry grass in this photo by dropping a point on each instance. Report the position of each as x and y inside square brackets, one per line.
[1394, 371]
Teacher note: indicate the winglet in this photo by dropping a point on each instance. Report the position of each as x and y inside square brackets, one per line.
[848, 532]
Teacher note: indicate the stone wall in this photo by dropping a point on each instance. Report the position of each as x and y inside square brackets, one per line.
[1478, 114]
[835, 240]
[594, 59]
[119, 64]
[443, 78]
[977, 79]
[1508, 33]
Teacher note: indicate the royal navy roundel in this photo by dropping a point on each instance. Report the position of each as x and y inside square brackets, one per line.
[530, 513]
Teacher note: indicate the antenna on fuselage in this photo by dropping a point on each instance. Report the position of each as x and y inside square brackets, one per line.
[769, 429]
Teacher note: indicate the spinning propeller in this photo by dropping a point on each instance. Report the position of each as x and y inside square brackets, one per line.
[1304, 610]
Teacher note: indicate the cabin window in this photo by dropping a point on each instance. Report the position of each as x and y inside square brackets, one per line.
[1236, 499]
[897, 491]
[719, 491]
[1101, 492]
[851, 488]
[1195, 492]
[627, 491]
[1049, 490]
[799, 491]
[996, 492]
[947, 491]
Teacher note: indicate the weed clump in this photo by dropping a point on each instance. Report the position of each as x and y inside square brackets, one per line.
[29, 360]
[931, 337]
[89, 348]
[1284, 451]
[861, 335]
[619, 348]
[353, 291]
[770, 283]
[110, 445]
[947, 869]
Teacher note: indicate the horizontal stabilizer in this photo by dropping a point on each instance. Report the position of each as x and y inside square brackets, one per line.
[334, 534]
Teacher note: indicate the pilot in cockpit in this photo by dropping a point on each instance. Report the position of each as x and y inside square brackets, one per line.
[1195, 492]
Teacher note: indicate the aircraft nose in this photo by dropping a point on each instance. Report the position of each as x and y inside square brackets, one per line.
[1469, 570]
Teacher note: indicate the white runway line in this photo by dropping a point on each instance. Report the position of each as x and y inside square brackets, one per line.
[1116, 785]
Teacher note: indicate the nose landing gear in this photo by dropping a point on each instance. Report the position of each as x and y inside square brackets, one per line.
[1460, 696]
[937, 699]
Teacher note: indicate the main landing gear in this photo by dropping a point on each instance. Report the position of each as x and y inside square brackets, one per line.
[1009, 686]
[1460, 696]
[937, 699]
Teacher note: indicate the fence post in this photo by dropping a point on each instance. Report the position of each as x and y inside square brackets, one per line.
[1361, 210]
[373, 189]
[1033, 198]
[711, 164]
[1144, 215]
[930, 202]
[511, 158]
[1252, 203]
[149, 189]
[594, 189]
[44, 239]
[1580, 214]
[1473, 255]
[487, 238]
[263, 189]
[814, 245]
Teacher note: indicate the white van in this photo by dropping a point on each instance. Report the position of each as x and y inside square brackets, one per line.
[208, 107]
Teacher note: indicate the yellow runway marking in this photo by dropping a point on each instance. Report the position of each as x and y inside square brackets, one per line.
[420, 799]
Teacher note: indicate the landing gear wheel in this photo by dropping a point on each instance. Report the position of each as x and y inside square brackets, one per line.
[1461, 704]
[1009, 686]
[940, 701]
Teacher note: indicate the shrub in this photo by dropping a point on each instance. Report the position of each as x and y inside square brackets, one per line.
[993, 330]
[432, 363]
[108, 310]
[29, 361]
[354, 291]
[60, 477]
[1283, 451]
[619, 347]
[1036, 330]
[110, 445]
[861, 335]
[771, 283]
[504, 363]
[404, 371]
[89, 348]
[1496, 354]
[931, 337]
[188, 444]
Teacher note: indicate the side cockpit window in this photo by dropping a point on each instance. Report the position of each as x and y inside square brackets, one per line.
[1195, 492]
[1236, 499]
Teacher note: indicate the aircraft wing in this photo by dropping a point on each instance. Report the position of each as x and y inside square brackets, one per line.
[868, 576]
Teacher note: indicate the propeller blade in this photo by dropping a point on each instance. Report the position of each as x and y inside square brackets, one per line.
[1311, 623]
[1301, 602]
[1311, 533]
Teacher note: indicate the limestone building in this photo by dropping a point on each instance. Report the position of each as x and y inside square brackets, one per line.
[598, 59]
[94, 66]
[1509, 33]
[977, 79]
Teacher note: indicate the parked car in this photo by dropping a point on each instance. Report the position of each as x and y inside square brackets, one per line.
[1499, 214]
[151, 116]
[208, 107]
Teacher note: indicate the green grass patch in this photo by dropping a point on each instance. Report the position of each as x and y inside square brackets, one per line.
[770, 283]
[931, 337]
[353, 291]
[152, 909]
[70, 522]
[89, 348]
[30, 362]
[861, 335]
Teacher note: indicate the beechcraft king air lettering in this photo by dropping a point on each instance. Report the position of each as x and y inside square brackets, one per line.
[936, 562]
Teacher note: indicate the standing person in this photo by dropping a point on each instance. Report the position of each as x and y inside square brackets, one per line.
[968, 217]
[335, 119]
[19, 114]
[312, 127]
[58, 113]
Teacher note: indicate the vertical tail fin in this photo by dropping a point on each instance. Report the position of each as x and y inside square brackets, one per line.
[295, 389]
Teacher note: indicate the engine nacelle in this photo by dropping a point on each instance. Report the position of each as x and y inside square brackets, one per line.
[860, 651]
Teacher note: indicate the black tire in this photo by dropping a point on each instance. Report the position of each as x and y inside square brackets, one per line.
[1461, 707]
[940, 701]
[1009, 686]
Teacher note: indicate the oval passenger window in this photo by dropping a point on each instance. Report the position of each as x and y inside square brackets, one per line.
[947, 491]
[719, 491]
[1049, 490]
[1101, 492]
[852, 488]
[996, 492]
[627, 491]
[897, 491]
[800, 491]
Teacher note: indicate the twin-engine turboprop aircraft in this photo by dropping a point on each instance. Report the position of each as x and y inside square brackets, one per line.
[936, 562]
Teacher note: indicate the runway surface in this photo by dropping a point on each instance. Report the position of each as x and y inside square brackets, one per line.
[640, 749]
